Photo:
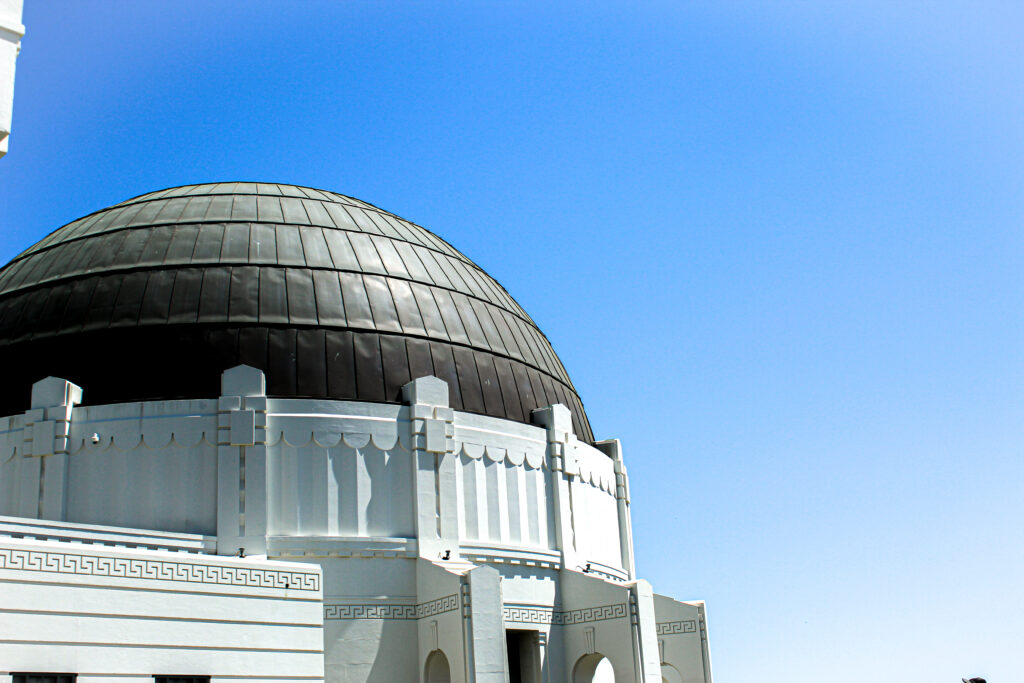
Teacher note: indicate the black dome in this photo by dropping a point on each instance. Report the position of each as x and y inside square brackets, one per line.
[331, 297]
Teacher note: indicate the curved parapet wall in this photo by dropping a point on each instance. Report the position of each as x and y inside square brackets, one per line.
[323, 476]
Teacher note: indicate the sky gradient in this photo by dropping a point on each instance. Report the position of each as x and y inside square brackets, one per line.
[778, 247]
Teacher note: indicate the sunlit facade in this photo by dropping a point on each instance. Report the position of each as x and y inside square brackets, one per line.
[272, 433]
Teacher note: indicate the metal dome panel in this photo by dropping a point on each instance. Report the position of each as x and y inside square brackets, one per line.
[330, 296]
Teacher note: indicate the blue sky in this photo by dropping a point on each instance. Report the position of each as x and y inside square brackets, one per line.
[777, 245]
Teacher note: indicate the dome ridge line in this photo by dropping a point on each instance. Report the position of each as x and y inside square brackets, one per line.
[28, 289]
[35, 249]
[21, 289]
[149, 226]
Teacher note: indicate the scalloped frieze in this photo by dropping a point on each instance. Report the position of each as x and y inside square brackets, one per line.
[137, 441]
[532, 457]
[297, 437]
[329, 431]
[170, 431]
[591, 466]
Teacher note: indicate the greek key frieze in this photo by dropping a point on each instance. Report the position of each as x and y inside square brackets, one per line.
[666, 628]
[588, 614]
[532, 614]
[154, 570]
[368, 611]
[439, 606]
[385, 610]
[525, 614]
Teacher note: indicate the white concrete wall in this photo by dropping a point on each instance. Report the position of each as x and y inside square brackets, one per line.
[11, 31]
[370, 619]
[369, 492]
[505, 494]
[340, 491]
[594, 507]
[598, 617]
[148, 465]
[334, 469]
[160, 454]
[17, 473]
[339, 468]
[682, 640]
[501, 502]
[121, 614]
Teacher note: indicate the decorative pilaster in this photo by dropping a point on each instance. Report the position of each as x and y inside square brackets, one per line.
[641, 604]
[242, 462]
[561, 463]
[613, 448]
[47, 438]
[705, 651]
[484, 626]
[432, 431]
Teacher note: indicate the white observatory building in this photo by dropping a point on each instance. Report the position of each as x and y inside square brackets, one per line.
[259, 432]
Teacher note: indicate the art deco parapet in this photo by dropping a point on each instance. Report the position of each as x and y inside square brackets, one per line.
[557, 420]
[45, 443]
[418, 479]
[48, 422]
[431, 424]
[242, 462]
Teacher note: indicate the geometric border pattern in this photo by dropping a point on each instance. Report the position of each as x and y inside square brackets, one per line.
[527, 614]
[430, 608]
[666, 628]
[368, 611]
[533, 614]
[446, 604]
[588, 614]
[155, 570]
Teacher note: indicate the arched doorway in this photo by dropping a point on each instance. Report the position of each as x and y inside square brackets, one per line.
[437, 669]
[593, 668]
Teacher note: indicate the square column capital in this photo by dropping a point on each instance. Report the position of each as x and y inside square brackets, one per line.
[557, 419]
[243, 380]
[427, 390]
[54, 391]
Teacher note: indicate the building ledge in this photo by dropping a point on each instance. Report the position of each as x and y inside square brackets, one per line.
[504, 554]
[341, 546]
[50, 530]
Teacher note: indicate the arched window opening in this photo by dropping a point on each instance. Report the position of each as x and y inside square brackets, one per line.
[593, 668]
[437, 669]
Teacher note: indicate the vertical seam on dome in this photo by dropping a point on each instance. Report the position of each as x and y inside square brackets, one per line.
[376, 251]
[444, 323]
